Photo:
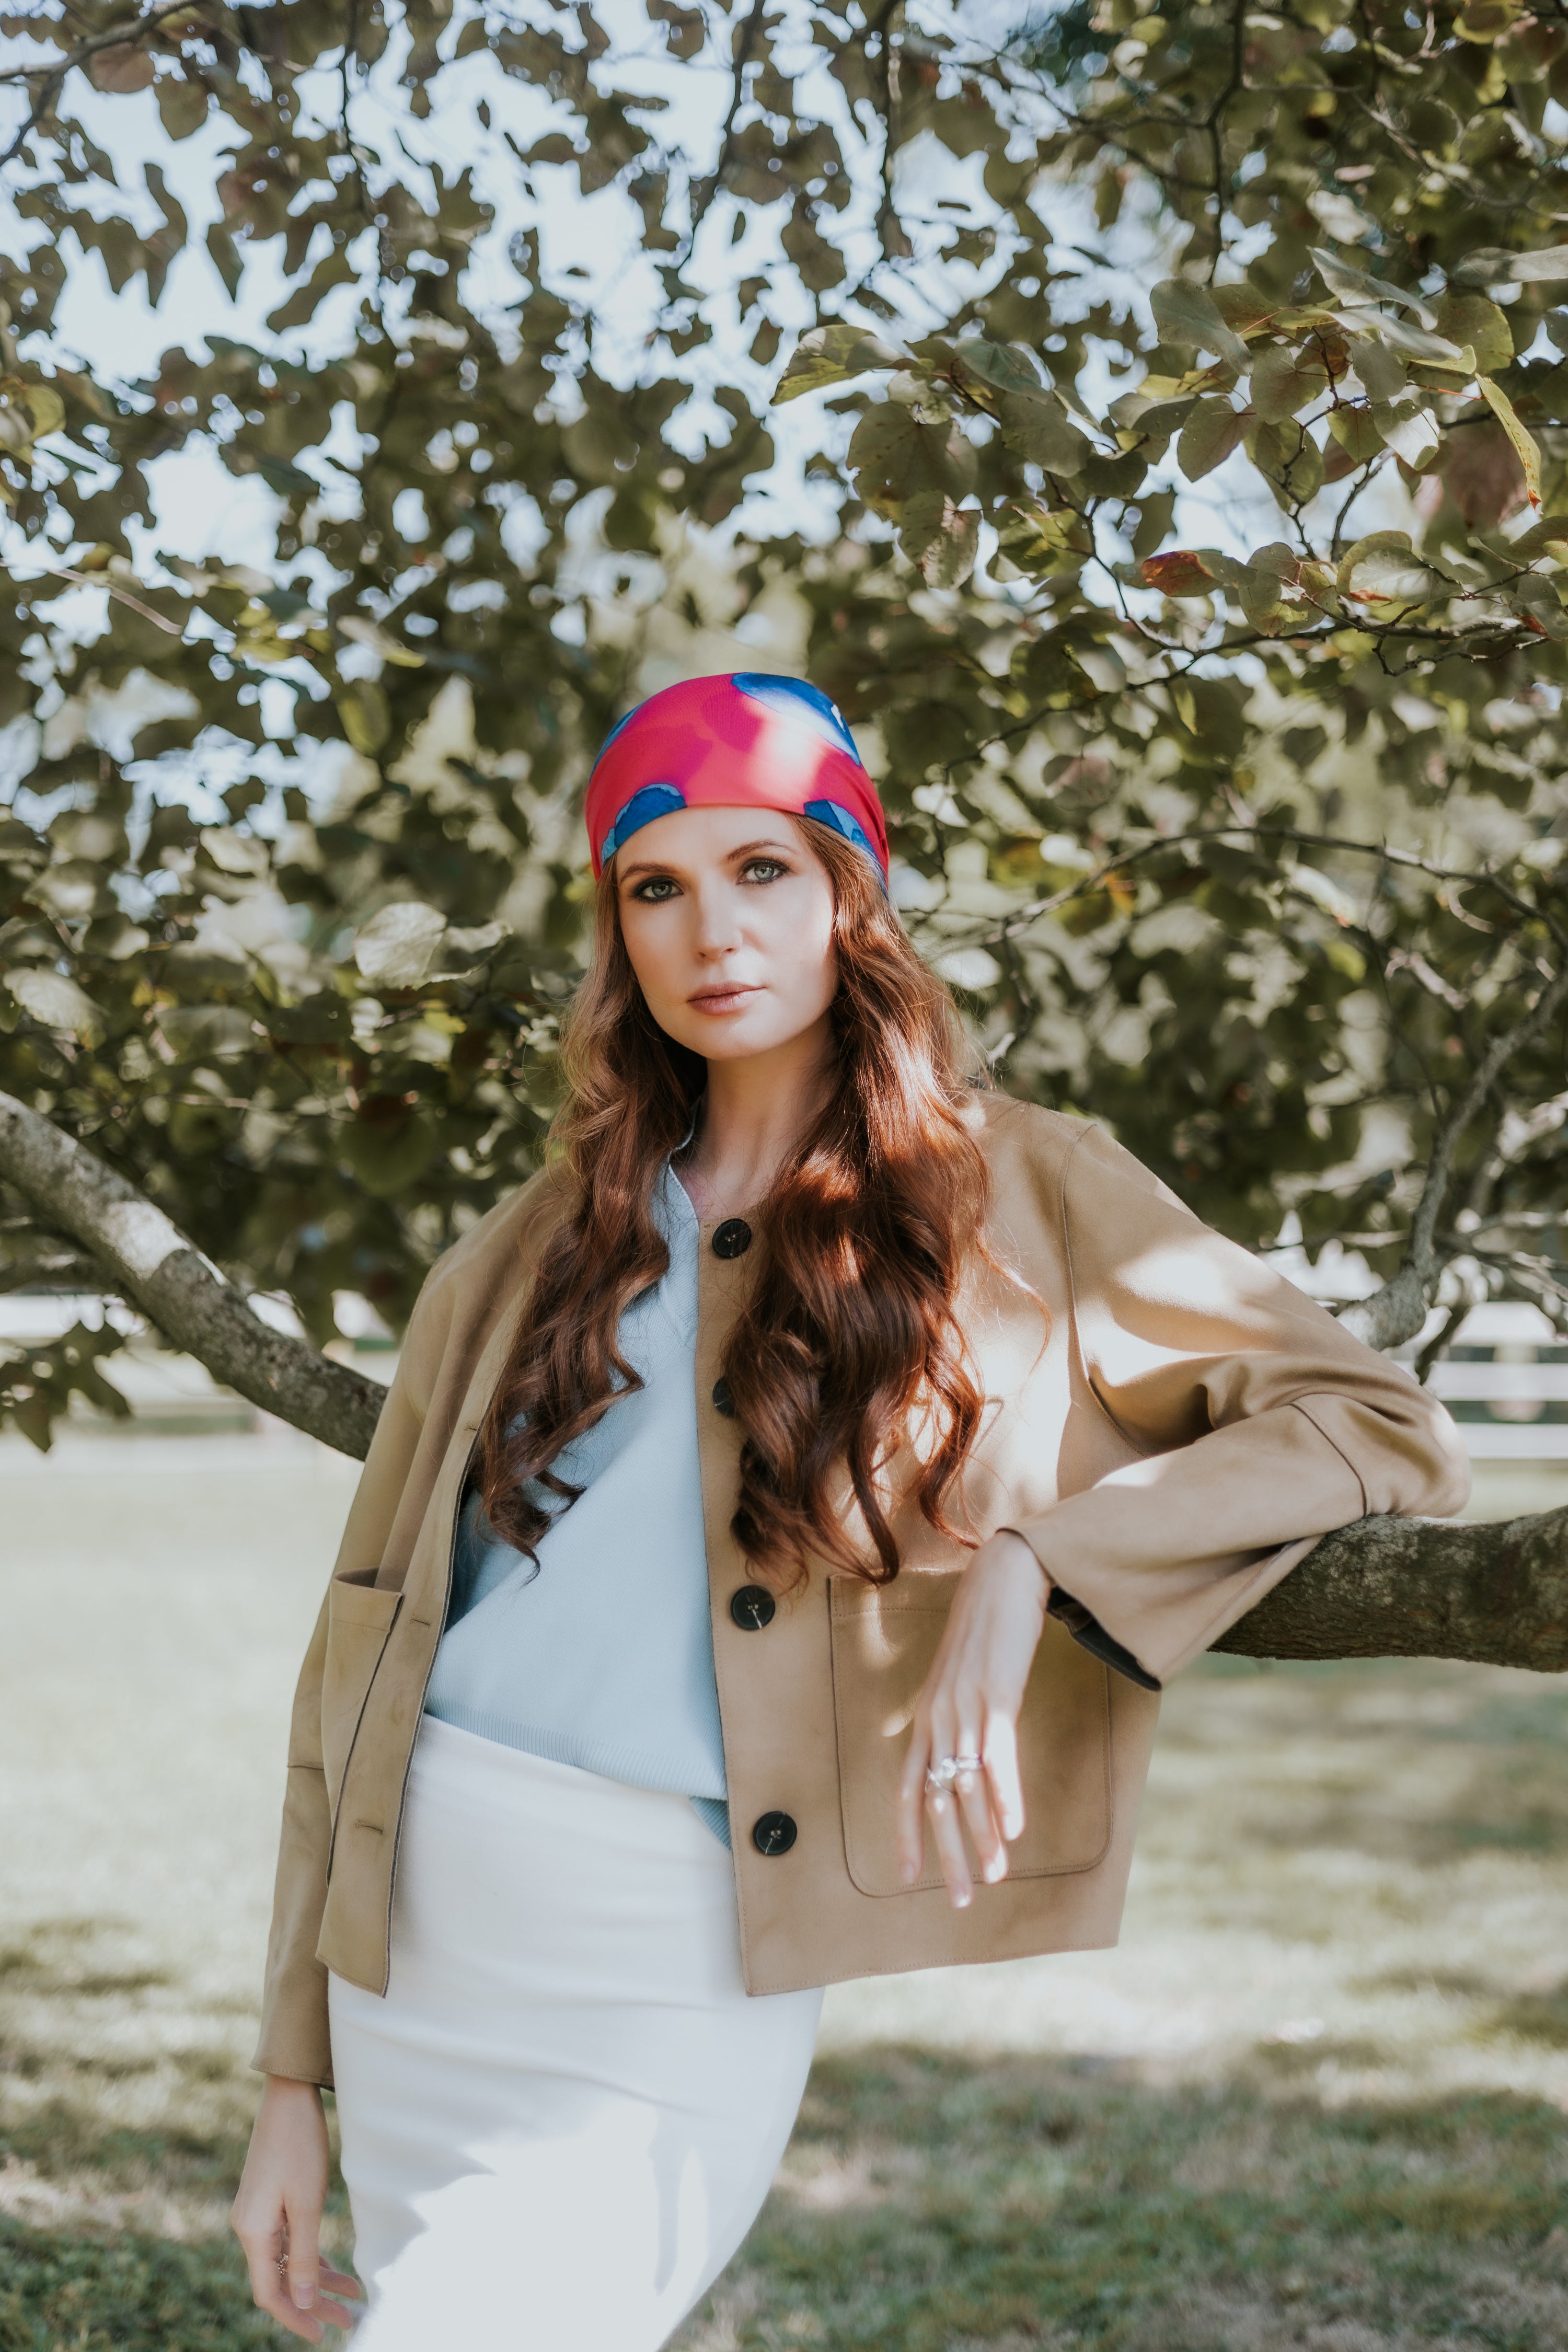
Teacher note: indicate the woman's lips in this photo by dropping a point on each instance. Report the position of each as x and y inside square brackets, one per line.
[722, 1000]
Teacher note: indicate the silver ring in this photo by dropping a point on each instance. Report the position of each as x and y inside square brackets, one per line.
[941, 1778]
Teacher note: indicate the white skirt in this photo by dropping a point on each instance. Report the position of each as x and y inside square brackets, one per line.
[564, 2116]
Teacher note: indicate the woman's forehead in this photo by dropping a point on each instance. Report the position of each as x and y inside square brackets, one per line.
[706, 836]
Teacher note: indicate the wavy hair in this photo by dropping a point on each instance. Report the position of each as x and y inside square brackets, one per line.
[851, 1335]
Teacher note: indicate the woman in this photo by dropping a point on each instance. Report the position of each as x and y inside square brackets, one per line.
[822, 1449]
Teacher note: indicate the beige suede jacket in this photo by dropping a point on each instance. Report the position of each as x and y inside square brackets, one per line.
[1169, 1424]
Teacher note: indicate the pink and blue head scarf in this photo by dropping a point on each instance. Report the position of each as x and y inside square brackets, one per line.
[744, 741]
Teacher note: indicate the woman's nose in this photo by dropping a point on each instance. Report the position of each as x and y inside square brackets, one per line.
[717, 927]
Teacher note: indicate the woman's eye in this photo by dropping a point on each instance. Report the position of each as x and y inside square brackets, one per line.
[654, 890]
[764, 869]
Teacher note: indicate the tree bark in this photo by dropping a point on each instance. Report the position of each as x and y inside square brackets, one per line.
[147, 1257]
[1494, 1591]
[1382, 1587]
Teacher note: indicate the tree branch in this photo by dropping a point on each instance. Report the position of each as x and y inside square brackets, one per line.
[1397, 1312]
[191, 1304]
[1380, 1588]
[46, 82]
[1391, 1587]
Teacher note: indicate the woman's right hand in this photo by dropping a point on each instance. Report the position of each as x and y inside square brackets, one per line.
[277, 2214]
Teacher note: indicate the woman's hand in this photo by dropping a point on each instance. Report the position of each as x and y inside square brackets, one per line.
[277, 2214]
[969, 1707]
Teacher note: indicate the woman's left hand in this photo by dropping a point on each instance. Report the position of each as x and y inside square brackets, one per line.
[969, 1707]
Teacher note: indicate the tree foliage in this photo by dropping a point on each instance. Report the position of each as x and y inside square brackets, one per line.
[1152, 428]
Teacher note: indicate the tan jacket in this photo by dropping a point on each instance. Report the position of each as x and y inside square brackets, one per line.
[1168, 1423]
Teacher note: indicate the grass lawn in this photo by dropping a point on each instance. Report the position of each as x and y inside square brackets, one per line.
[1315, 2101]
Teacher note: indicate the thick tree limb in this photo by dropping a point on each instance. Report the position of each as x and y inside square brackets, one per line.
[192, 1305]
[1382, 1587]
[1389, 1588]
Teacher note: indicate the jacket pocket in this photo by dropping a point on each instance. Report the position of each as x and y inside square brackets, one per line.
[360, 1617]
[883, 1643]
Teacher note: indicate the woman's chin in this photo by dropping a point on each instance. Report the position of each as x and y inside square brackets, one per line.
[736, 1036]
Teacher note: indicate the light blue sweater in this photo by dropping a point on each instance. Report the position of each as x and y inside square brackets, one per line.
[603, 1655]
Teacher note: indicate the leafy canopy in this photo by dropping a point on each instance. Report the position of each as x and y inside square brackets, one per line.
[1165, 473]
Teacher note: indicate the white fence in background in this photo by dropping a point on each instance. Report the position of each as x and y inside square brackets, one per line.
[1505, 1380]
[173, 1395]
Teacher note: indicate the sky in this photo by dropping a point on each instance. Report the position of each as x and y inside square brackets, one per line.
[591, 248]
[592, 251]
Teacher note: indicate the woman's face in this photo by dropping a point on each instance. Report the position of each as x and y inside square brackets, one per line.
[727, 916]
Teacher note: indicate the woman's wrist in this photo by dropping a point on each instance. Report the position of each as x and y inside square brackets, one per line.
[1011, 1550]
[280, 2089]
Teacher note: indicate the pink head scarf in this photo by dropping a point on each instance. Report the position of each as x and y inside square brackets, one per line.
[744, 741]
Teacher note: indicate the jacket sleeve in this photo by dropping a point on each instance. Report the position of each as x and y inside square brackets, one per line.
[1261, 1424]
[294, 2035]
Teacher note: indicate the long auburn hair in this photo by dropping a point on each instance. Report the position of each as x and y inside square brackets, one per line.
[852, 1327]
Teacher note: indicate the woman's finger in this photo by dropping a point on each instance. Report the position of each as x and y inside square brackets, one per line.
[942, 1811]
[912, 1805]
[974, 1793]
[1000, 1751]
[269, 2292]
[304, 2262]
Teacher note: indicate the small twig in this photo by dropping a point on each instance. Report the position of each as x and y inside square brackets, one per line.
[1437, 1346]
[709, 187]
[97, 580]
[50, 79]
[1397, 1312]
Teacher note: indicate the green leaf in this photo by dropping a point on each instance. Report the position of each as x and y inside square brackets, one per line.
[1409, 341]
[1356, 286]
[1472, 319]
[335, 269]
[56, 1002]
[1529, 456]
[45, 407]
[363, 709]
[376, 639]
[181, 104]
[892, 454]
[1493, 265]
[1003, 367]
[1284, 382]
[1036, 538]
[1550, 532]
[943, 538]
[1187, 314]
[397, 947]
[1410, 430]
[833, 354]
[1485, 21]
[1038, 430]
[1211, 434]
[226, 258]
[1383, 570]
[1355, 433]
[1380, 370]
[1377, 542]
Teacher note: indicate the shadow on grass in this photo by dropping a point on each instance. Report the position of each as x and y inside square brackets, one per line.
[929, 2203]
[63, 2292]
[932, 2205]
[117, 2240]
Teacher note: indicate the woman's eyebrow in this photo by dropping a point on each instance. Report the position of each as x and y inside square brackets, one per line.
[750, 849]
[775, 847]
